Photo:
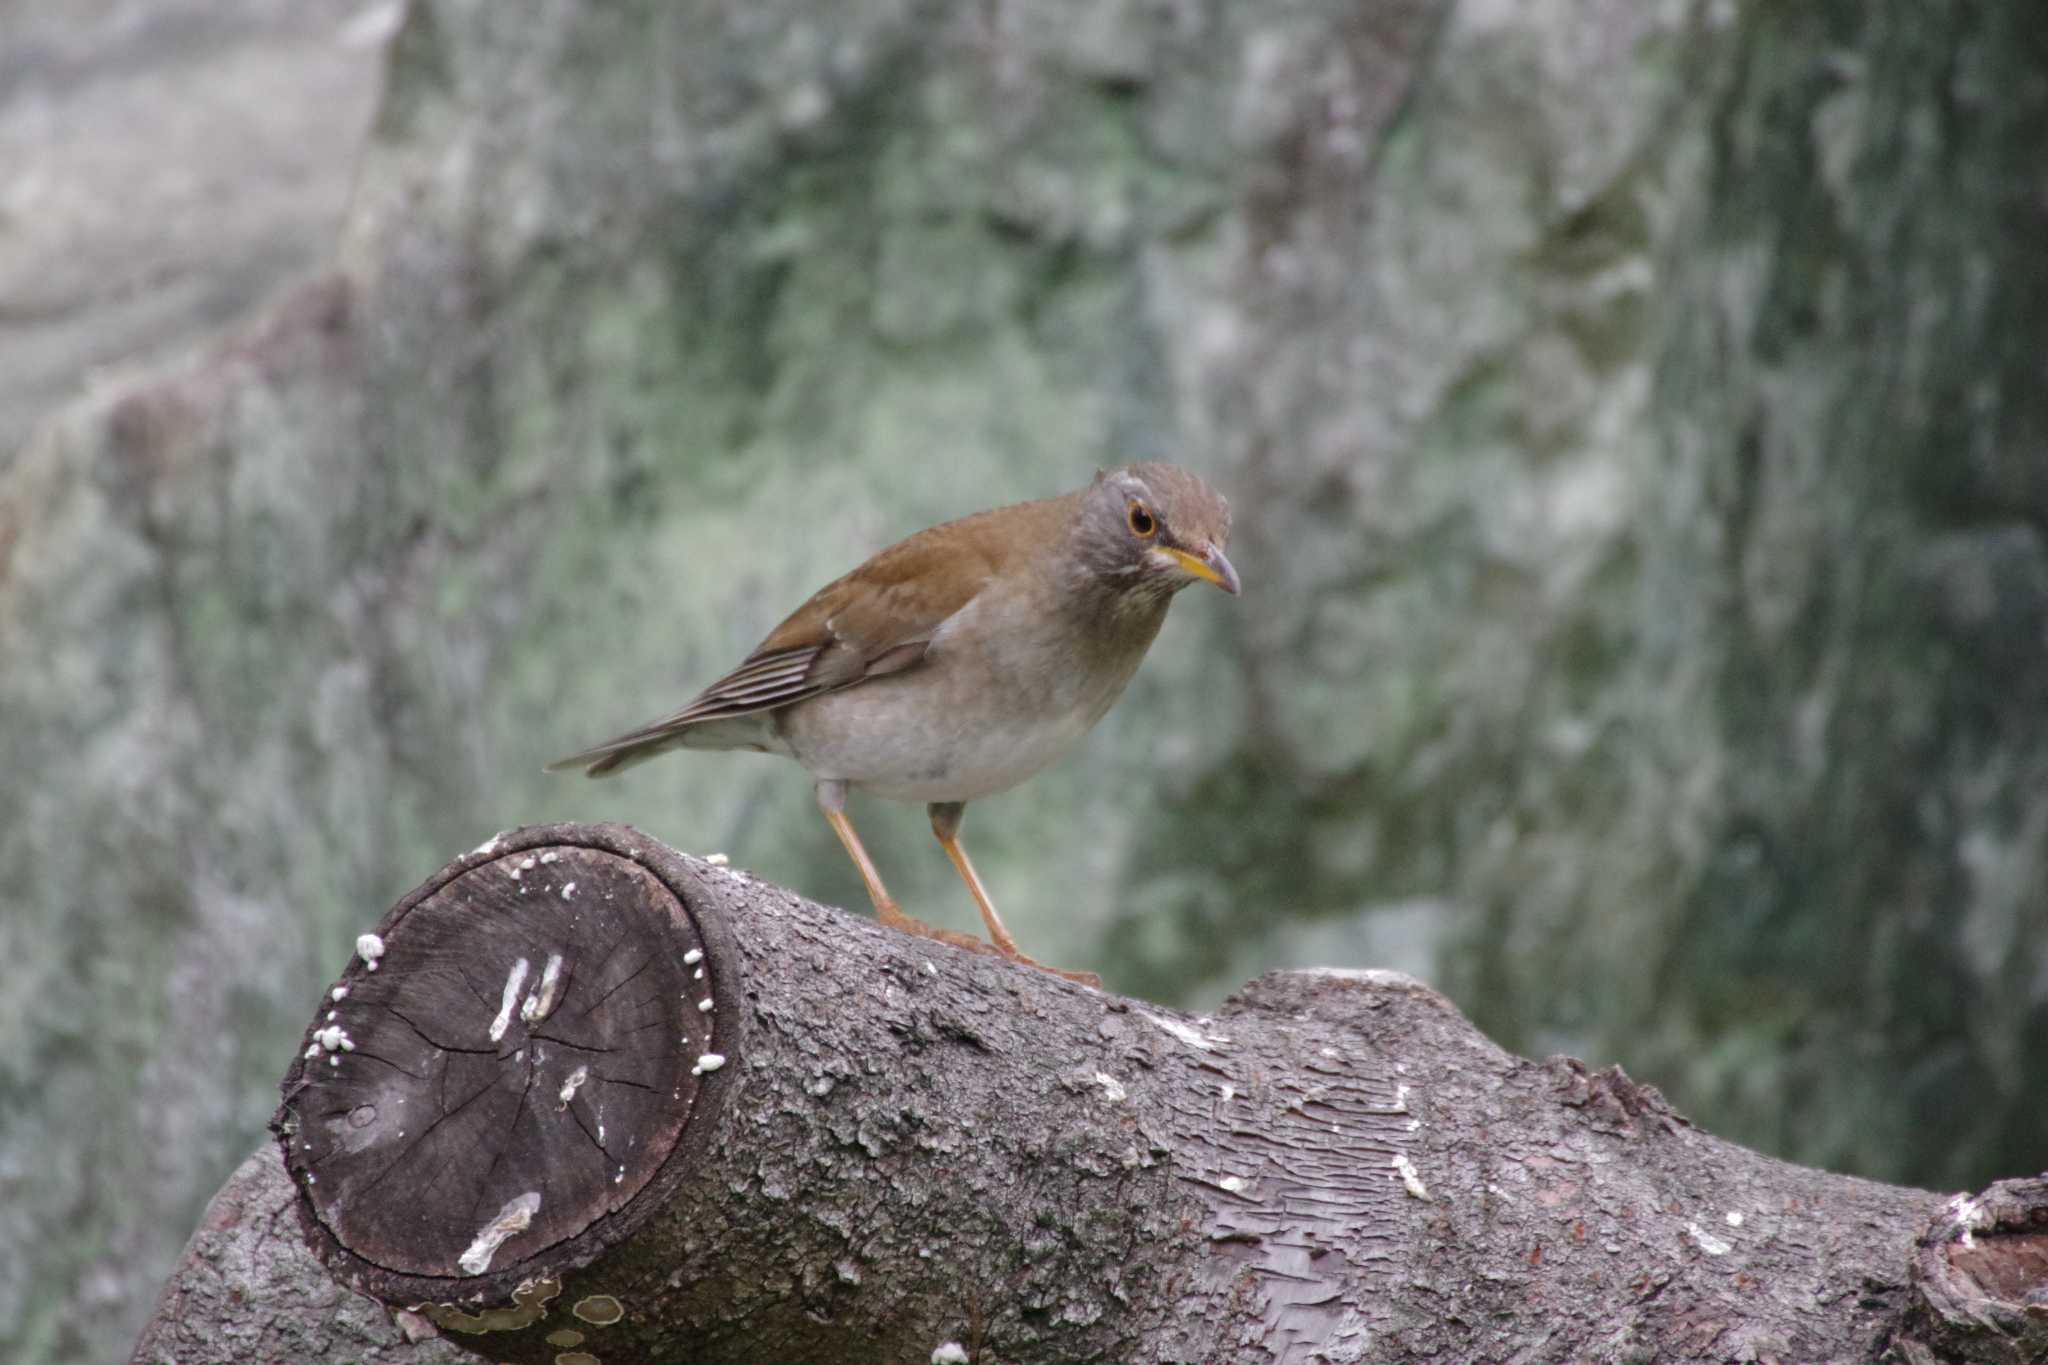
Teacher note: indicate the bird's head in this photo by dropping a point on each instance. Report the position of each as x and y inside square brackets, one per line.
[1153, 529]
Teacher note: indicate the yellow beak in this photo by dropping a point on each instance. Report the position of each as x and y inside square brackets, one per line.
[1211, 567]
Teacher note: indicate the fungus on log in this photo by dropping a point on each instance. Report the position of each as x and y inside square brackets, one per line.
[912, 1153]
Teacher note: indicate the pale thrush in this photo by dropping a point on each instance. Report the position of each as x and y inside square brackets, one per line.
[957, 663]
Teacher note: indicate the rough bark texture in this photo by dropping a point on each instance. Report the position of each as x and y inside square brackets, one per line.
[905, 1145]
[248, 1288]
[1634, 416]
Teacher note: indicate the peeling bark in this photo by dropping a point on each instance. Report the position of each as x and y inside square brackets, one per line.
[904, 1145]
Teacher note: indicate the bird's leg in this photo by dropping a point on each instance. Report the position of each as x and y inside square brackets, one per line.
[946, 824]
[946, 817]
[832, 800]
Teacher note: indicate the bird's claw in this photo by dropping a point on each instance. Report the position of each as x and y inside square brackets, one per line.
[892, 916]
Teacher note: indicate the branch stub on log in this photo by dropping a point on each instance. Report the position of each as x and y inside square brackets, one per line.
[1981, 1269]
[526, 1044]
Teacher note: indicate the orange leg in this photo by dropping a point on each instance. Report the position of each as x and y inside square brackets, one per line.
[832, 799]
[946, 825]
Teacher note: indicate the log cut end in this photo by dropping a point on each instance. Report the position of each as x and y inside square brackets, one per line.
[511, 1060]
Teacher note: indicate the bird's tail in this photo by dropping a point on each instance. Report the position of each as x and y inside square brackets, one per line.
[637, 746]
[614, 755]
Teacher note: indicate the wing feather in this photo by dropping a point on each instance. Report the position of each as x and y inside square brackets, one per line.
[876, 620]
[760, 684]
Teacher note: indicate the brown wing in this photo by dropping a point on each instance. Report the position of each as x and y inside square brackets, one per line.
[871, 622]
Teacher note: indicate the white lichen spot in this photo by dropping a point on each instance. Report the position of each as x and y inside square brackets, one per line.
[1330, 1052]
[697, 975]
[488, 846]
[549, 857]
[312, 1052]
[369, 948]
[338, 993]
[695, 955]
[1400, 1098]
[1232, 1184]
[331, 1014]
[949, 1353]
[541, 1003]
[568, 890]
[513, 982]
[710, 1061]
[1194, 1037]
[573, 1084]
[1411, 1179]
[512, 1220]
[717, 859]
[1111, 1091]
[1734, 1220]
[930, 968]
[334, 1038]
[1227, 1091]
[705, 1005]
[335, 1060]
[1967, 1211]
[1707, 1241]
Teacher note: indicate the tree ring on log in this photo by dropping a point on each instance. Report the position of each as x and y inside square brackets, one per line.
[531, 1040]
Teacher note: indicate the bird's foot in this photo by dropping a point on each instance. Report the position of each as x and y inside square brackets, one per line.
[1088, 979]
[891, 915]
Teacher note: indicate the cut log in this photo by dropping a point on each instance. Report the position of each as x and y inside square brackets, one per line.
[510, 1062]
[874, 1147]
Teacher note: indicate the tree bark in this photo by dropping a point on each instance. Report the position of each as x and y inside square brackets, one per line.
[523, 1116]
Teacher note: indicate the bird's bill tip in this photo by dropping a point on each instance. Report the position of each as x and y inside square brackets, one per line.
[1211, 566]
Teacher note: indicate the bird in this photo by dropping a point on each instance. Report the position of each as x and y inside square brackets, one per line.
[959, 662]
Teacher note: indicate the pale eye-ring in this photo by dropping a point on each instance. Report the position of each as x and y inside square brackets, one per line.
[1143, 524]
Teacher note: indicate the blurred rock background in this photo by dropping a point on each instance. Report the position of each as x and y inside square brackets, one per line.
[1636, 416]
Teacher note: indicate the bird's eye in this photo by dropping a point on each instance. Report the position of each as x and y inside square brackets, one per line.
[1143, 523]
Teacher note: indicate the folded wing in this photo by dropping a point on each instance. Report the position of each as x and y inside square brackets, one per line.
[877, 620]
